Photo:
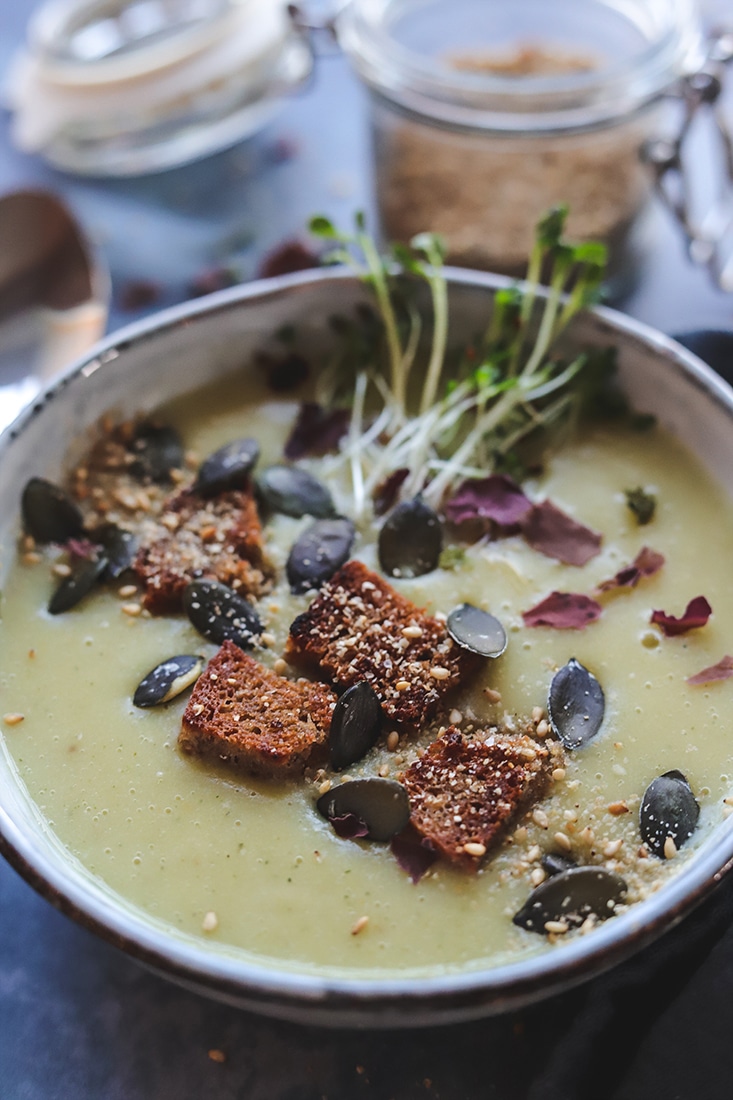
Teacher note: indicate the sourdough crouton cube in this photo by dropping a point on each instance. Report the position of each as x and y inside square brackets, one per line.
[218, 538]
[359, 628]
[246, 714]
[465, 791]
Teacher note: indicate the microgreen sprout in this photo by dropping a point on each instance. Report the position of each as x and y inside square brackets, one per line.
[471, 410]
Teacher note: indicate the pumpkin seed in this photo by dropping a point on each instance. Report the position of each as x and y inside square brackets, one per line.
[85, 574]
[227, 468]
[382, 804]
[668, 809]
[167, 680]
[476, 630]
[49, 513]
[571, 896]
[319, 551]
[294, 492]
[157, 449]
[355, 724]
[220, 615]
[576, 705]
[119, 546]
[554, 863]
[411, 540]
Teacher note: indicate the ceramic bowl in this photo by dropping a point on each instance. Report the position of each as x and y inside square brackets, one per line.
[148, 363]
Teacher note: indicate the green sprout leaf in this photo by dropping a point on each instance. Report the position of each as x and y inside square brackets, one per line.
[642, 504]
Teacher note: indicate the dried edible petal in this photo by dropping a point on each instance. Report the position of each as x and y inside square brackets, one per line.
[387, 491]
[316, 431]
[349, 827]
[696, 614]
[723, 670]
[497, 498]
[414, 854]
[552, 532]
[564, 611]
[646, 563]
[290, 255]
[576, 705]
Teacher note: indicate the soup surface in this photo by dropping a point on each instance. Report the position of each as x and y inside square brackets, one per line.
[250, 863]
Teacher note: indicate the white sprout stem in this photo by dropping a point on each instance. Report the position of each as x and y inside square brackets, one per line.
[439, 294]
[355, 429]
[555, 383]
[544, 336]
[384, 301]
[413, 340]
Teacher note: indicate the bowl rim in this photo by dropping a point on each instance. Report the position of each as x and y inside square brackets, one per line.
[334, 999]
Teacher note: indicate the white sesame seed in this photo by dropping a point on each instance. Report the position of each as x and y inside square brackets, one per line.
[558, 774]
[439, 673]
[474, 848]
[131, 609]
[210, 923]
[670, 848]
[534, 853]
[543, 728]
[359, 926]
[280, 666]
[455, 718]
[612, 848]
[127, 591]
[562, 841]
[414, 631]
[540, 818]
[61, 569]
[537, 714]
[402, 685]
[556, 927]
[537, 875]
[393, 740]
[13, 719]
[492, 695]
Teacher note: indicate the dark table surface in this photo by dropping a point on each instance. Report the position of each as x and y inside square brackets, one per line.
[80, 1020]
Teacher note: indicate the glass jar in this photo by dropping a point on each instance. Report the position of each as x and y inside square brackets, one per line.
[121, 87]
[487, 112]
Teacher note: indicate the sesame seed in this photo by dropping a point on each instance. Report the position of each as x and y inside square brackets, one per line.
[563, 841]
[210, 923]
[217, 1055]
[61, 569]
[455, 717]
[492, 695]
[537, 876]
[556, 927]
[325, 786]
[31, 558]
[393, 740]
[359, 926]
[412, 631]
[131, 609]
[280, 666]
[543, 728]
[474, 848]
[612, 848]
[402, 685]
[558, 774]
[540, 818]
[587, 835]
[670, 848]
[198, 708]
[13, 719]
[439, 673]
[537, 714]
[268, 639]
[127, 591]
[618, 808]
[534, 853]
[383, 770]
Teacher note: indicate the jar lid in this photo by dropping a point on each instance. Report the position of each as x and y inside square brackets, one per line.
[124, 86]
[522, 66]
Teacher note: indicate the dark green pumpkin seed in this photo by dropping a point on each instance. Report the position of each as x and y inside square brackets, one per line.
[227, 468]
[668, 809]
[49, 513]
[554, 863]
[220, 615]
[294, 492]
[318, 552]
[157, 449]
[85, 574]
[411, 540]
[571, 896]
[355, 725]
[167, 680]
[119, 546]
[476, 630]
[382, 804]
[576, 705]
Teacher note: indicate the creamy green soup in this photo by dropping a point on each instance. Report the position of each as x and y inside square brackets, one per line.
[251, 864]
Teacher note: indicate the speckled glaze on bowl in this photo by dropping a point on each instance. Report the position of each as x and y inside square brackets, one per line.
[147, 364]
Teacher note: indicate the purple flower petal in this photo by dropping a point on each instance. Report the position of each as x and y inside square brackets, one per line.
[696, 614]
[552, 532]
[564, 611]
[646, 563]
[723, 670]
[385, 494]
[497, 498]
[415, 854]
[316, 431]
[349, 827]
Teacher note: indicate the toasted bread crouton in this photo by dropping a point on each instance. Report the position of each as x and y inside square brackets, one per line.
[220, 539]
[359, 628]
[246, 714]
[464, 791]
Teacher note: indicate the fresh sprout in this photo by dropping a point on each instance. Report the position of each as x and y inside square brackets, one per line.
[467, 413]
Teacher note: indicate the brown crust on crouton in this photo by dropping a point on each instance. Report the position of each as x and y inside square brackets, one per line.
[246, 714]
[465, 791]
[220, 539]
[359, 628]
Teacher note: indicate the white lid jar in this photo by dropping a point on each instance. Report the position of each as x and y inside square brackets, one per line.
[487, 112]
[121, 87]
